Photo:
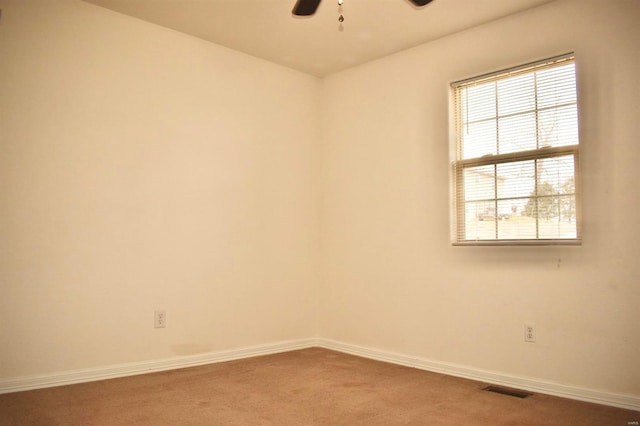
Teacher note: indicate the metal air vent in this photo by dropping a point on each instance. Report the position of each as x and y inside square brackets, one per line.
[506, 391]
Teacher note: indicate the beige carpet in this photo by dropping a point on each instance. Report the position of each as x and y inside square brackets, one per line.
[306, 387]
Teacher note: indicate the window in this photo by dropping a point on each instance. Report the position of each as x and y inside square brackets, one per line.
[517, 150]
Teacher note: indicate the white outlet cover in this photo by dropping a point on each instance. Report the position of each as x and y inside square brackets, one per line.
[530, 332]
[159, 319]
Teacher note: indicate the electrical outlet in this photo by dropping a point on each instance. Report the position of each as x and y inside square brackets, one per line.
[159, 319]
[530, 333]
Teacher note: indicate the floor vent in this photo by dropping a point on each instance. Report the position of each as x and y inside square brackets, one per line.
[506, 391]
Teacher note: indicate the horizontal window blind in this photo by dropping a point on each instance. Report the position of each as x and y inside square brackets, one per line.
[517, 145]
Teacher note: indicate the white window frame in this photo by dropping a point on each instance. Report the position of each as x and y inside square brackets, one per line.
[458, 232]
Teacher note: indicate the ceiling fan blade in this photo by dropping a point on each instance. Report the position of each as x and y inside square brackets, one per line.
[305, 7]
[420, 2]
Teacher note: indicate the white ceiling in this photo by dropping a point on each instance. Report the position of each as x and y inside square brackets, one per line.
[315, 45]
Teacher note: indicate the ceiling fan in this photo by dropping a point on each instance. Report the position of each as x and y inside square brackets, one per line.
[308, 7]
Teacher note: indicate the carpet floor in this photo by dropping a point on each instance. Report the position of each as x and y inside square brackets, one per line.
[306, 387]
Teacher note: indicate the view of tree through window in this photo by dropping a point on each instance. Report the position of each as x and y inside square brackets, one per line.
[517, 155]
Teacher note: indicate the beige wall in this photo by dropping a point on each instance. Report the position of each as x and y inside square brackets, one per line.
[391, 279]
[142, 169]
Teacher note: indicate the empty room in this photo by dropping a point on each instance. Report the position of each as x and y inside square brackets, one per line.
[336, 212]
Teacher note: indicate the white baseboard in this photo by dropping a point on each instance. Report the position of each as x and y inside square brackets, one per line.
[122, 370]
[132, 369]
[630, 402]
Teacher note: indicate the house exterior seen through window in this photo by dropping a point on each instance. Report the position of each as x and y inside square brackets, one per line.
[517, 151]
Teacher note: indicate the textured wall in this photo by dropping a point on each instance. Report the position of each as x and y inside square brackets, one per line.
[393, 282]
[143, 169]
